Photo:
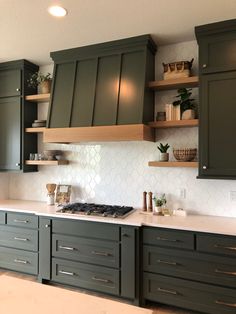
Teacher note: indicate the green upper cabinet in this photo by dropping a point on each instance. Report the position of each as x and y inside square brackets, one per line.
[16, 115]
[103, 84]
[217, 110]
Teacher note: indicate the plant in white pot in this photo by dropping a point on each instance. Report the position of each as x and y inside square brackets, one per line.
[42, 81]
[159, 201]
[186, 103]
[164, 156]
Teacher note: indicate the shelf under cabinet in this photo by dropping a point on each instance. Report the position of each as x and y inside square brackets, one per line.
[186, 82]
[47, 162]
[188, 164]
[38, 98]
[35, 130]
[173, 124]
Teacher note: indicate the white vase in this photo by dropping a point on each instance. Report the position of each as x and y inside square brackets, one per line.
[188, 114]
[164, 157]
[157, 210]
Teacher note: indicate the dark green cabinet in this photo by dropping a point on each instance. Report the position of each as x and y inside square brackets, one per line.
[16, 115]
[217, 110]
[103, 84]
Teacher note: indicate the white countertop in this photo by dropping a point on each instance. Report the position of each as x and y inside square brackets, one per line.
[199, 223]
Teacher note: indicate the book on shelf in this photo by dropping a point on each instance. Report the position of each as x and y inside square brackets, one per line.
[172, 112]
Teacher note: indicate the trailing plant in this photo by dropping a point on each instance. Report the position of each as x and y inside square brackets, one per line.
[37, 78]
[184, 100]
[163, 148]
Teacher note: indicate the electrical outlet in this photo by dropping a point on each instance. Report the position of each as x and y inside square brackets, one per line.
[182, 193]
[232, 195]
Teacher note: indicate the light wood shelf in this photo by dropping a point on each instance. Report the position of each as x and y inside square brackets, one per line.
[38, 98]
[173, 124]
[186, 82]
[47, 162]
[189, 164]
[35, 130]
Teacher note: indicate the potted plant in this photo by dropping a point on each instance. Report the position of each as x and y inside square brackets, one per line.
[42, 81]
[164, 156]
[158, 203]
[186, 103]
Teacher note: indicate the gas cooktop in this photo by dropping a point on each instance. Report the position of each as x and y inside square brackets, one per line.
[113, 211]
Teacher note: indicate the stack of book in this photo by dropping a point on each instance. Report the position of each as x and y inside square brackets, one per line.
[172, 112]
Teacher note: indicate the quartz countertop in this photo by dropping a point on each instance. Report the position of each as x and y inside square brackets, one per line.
[198, 223]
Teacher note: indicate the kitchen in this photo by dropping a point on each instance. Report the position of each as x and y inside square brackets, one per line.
[117, 173]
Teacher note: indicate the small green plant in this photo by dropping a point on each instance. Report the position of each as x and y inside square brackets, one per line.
[159, 201]
[184, 100]
[37, 78]
[163, 148]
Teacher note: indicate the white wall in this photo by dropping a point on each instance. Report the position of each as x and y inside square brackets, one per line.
[117, 173]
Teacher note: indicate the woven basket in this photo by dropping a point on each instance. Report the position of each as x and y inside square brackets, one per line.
[186, 154]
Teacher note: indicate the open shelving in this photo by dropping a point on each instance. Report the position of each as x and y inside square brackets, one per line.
[173, 124]
[47, 162]
[35, 130]
[38, 98]
[188, 164]
[186, 82]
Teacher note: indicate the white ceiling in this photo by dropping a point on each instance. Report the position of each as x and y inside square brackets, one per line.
[28, 31]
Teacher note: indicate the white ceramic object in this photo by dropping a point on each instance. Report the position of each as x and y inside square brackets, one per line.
[164, 157]
[188, 114]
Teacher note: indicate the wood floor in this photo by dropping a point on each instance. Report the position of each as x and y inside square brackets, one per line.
[158, 309]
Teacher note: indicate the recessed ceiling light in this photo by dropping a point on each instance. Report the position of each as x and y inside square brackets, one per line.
[57, 11]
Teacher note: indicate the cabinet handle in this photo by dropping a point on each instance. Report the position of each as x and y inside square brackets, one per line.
[21, 239]
[231, 273]
[225, 303]
[21, 221]
[166, 239]
[68, 248]
[166, 262]
[18, 89]
[20, 261]
[47, 226]
[231, 248]
[66, 273]
[204, 167]
[167, 291]
[100, 253]
[17, 164]
[100, 279]
[204, 65]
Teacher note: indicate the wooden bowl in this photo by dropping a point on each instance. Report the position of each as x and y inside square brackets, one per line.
[186, 154]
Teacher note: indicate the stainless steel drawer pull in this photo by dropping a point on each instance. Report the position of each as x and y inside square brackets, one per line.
[100, 279]
[66, 273]
[225, 303]
[68, 248]
[232, 273]
[232, 248]
[167, 291]
[21, 239]
[21, 221]
[100, 253]
[166, 262]
[166, 239]
[20, 261]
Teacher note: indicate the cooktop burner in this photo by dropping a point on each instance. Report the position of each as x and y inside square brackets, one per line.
[113, 211]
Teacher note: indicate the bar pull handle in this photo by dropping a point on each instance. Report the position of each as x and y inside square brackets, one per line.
[20, 261]
[100, 253]
[100, 279]
[21, 239]
[68, 248]
[226, 303]
[66, 273]
[166, 239]
[231, 273]
[167, 262]
[21, 221]
[218, 246]
[167, 291]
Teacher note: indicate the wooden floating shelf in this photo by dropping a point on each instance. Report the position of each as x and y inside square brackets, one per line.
[186, 82]
[35, 130]
[173, 124]
[189, 164]
[38, 98]
[47, 162]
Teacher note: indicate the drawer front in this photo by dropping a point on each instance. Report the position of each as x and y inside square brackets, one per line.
[188, 294]
[86, 229]
[86, 276]
[168, 238]
[189, 265]
[92, 251]
[2, 218]
[19, 238]
[22, 220]
[223, 245]
[18, 260]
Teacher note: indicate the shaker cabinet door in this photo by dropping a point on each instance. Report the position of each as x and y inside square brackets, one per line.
[10, 83]
[10, 130]
[217, 125]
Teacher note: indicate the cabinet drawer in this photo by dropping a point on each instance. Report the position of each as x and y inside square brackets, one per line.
[2, 218]
[170, 238]
[190, 265]
[188, 294]
[223, 245]
[19, 238]
[86, 229]
[92, 251]
[22, 220]
[19, 260]
[86, 276]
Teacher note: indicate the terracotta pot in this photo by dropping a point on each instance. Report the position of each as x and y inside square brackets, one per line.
[164, 157]
[188, 114]
[45, 87]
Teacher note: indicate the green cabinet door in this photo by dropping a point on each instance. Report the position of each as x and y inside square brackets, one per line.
[217, 129]
[10, 130]
[10, 83]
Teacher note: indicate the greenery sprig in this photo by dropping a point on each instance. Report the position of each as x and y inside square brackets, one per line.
[37, 78]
